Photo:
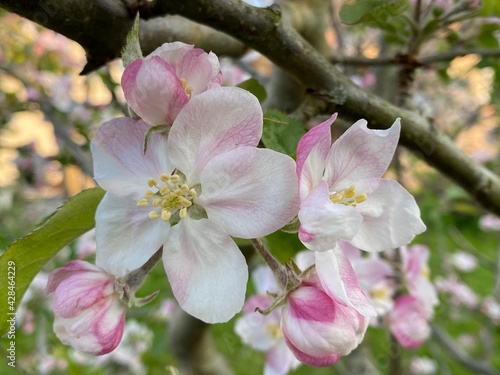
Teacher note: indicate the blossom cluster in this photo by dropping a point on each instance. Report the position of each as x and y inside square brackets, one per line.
[184, 175]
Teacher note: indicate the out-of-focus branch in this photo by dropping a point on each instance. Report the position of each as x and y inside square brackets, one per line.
[476, 366]
[420, 61]
[194, 348]
[264, 30]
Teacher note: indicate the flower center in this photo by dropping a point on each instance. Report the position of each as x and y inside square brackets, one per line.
[186, 88]
[273, 329]
[171, 197]
[380, 293]
[425, 272]
[348, 197]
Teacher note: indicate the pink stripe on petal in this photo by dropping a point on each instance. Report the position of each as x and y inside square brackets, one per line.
[312, 304]
[312, 151]
[321, 361]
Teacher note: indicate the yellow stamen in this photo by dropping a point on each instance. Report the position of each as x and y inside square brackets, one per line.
[184, 83]
[193, 194]
[183, 213]
[156, 202]
[185, 188]
[361, 198]
[336, 198]
[153, 215]
[164, 177]
[166, 215]
[143, 203]
[149, 194]
[152, 182]
[350, 192]
[175, 178]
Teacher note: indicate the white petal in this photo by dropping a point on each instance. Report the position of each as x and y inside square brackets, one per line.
[250, 192]
[323, 222]
[206, 270]
[361, 154]
[120, 165]
[212, 123]
[339, 281]
[391, 218]
[126, 237]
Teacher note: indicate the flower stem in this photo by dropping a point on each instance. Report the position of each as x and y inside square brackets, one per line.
[135, 278]
[278, 269]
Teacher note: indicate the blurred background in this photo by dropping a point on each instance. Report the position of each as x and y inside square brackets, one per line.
[48, 114]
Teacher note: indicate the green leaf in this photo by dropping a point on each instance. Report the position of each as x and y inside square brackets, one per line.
[281, 133]
[29, 254]
[132, 49]
[255, 88]
[376, 12]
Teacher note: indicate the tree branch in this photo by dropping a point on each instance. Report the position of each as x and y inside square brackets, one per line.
[477, 367]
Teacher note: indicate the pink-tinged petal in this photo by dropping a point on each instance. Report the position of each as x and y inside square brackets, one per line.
[391, 218]
[207, 272]
[315, 361]
[338, 279]
[316, 324]
[250, 192]
[197, 69]
[256, 329]
[95, 331]
[361, 156]
[109, 328]
[425, 291]
[370, 271]
[126, 237]
[352, 253]
[120, 165]
[85, 343]
[280, 360]
[324, 222]
[312, 151]
[201, 70]
[212, 123]
[60, 274]
[414, 260]
[80, 291]
[153, 90]
[408, 322]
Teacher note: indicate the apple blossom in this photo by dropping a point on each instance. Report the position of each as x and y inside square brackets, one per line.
[190, 193]
[262, 332]
[89, 313]
[159, 85]
[317, 327]
[416, 274]
[408, 322]
[342, 192]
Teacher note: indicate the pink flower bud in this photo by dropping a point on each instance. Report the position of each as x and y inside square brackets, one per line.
[317, 328]
[89, 314]
[409, 322]
[159, 85]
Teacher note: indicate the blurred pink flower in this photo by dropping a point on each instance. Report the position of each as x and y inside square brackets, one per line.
[159, 85]
[491, 308]
[422, 366]
[464, 261]
[89, 313]
[408, 322]
[489, 222]
[462, 294]
[416, 271]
